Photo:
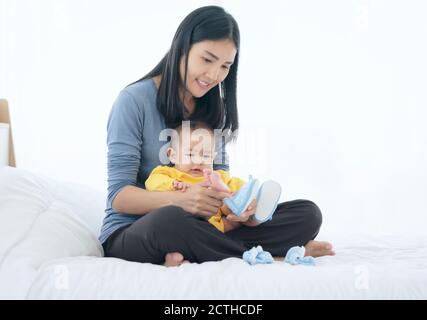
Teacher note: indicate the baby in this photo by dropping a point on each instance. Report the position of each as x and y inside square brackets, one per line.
[193, 164]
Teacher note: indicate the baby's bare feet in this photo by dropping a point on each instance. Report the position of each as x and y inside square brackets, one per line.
[318, 249]
[173, 259]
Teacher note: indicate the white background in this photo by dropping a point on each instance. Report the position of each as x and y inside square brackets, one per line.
[331, 94]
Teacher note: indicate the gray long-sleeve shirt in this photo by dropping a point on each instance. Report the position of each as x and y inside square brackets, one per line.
[134, 127]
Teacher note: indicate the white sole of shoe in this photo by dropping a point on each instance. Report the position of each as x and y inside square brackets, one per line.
[267, 200]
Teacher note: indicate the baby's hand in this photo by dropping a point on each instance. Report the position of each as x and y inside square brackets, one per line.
[179, 185]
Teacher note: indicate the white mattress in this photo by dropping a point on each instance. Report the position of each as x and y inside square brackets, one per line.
[49, 250]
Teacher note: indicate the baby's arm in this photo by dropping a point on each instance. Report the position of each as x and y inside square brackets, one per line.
[159, 182]
[164, 182]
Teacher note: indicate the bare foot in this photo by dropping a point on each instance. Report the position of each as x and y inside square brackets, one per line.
[173, 259]
[318, 249]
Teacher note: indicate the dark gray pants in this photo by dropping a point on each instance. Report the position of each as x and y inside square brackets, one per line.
[171, 229]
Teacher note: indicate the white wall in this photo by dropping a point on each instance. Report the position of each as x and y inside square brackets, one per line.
[335, 92]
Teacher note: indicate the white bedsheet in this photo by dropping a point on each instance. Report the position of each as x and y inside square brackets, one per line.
[49, 250]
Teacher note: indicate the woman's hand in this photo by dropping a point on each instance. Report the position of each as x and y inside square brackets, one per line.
[244, 217]
[200, 200]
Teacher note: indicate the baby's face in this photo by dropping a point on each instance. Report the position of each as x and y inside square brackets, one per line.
[195, 155]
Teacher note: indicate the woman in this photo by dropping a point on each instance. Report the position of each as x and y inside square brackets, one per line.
[196, 79]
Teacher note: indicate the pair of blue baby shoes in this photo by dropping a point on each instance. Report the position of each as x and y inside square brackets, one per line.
[294, 256]
[267, 196]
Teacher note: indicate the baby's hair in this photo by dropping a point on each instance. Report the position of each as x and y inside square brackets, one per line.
[194, 125]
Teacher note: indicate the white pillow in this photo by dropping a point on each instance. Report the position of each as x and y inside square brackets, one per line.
[43, 219]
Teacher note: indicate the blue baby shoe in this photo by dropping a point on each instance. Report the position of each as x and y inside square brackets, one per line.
[257, 255]
[243, 197]
[267, 200]
[295, 255]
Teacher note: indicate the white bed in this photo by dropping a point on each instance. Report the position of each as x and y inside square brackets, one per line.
[49, 250]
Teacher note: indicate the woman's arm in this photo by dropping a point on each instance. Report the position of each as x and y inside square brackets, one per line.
[158, 193]
[195, 200]
[124, 142]
[134, 200]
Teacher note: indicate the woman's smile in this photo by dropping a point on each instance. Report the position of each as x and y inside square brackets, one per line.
[204, 85]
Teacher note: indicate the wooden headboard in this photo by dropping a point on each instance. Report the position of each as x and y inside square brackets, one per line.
[5, 118]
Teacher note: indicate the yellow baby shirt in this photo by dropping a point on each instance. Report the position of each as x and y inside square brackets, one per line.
[162, 177]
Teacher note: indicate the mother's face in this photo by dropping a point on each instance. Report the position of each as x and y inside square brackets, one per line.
[208, 64]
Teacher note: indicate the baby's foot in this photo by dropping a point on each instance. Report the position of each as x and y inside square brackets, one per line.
[207, 174]
[318, 249]
[173, 259]
[215, 181]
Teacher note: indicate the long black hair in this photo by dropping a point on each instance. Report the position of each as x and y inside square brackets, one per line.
[218, 111]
